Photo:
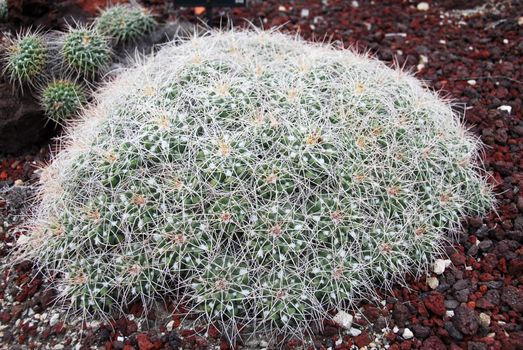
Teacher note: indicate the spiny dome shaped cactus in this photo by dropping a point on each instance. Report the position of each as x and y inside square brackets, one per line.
[260, 178]
[85, 51]
[26, 57]
[125, 22]
[62, 100]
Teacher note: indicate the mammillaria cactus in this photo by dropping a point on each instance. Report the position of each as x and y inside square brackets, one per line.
[26, 57]
[62, 100]
[263, 179]
[124, 22]
[84, 50]
[4, 10]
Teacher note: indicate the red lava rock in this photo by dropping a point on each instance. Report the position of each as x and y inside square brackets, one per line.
[362, 340]
[213, 332]
[143, 342]
[458, 259]
[5, 317]
[433, 343]
[435, 302]
[329, 331]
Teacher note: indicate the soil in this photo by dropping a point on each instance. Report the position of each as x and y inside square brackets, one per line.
[471, 55]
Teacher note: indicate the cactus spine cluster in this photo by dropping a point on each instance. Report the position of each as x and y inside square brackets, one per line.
[62, 100]
[263, 179]
[125, 22]
[26, 57]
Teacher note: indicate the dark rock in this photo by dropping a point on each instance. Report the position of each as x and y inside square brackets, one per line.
[22, 122]
[473, 345]
[380, 323]
[462, 295]
[451, 304]
[492, 296]
[453, 332]
[461, 284]
[400, 314]
[465, 320]
[485, 245]
[420, 332]
[513, 297]
[433, 343]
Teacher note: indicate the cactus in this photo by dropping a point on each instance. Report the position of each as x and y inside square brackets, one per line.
[84, 51]
[125, 23]
[4, 10]
[26, 57]
[262, 179]
[62, 100]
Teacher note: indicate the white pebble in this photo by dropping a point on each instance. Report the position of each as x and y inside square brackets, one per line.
[440, 265]
[423, 6]
[432, 282]
[54, 319]
[449, 313]
[355, 4]
[354, 332]
[395, 329]
[484, 319]
[505, 108]
[407, 334]
[471, 82]
[343, 319]
[304, 13]
[169, 326]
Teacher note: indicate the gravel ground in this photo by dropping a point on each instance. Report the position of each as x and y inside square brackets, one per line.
[472, 55]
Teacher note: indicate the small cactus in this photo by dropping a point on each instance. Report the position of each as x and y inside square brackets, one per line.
[26, 57]
[261, 179]
[4, 10]
[85, 51]
[61, 100]
[125, 23]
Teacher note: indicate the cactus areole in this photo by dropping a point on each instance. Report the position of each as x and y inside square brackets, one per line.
[261, 179]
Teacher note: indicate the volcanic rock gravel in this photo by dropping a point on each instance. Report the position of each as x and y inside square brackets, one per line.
[472, 55]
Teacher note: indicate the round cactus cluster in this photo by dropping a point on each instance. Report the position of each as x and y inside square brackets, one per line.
[125, 22]
[260, 179]
[62, 100]
[85, 51]
[26, 57]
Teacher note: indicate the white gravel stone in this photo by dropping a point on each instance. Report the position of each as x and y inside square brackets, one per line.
[440, 265]
[304, 13]
[484, 319]
[54, 319]
[407, 334]
[432, 282]
[343, 319]
[395, 329]
[505, 108]
[354, 332]
[423, 6]
[471, 82]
